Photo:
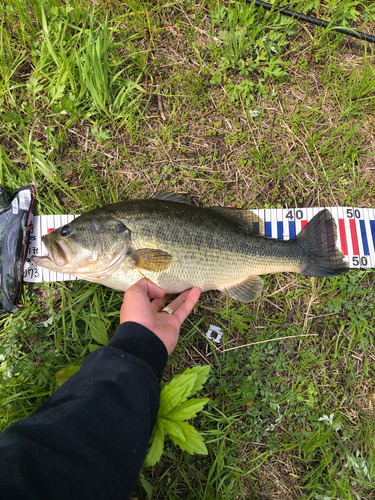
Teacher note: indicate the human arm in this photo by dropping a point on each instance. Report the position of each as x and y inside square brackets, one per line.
[90, 438]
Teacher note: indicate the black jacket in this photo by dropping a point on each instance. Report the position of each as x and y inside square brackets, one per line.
[90, 438]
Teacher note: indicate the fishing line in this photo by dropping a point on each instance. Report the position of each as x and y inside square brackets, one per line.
[314, 20]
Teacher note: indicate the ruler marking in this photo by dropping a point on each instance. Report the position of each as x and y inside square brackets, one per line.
[297, 223]
[292, 229]
[372, 225]
[336, 215]
[267, 222]
[370, 258]
[330, 235]
[273, 213]
[344, 245]
[303, 223]
[354, 236]
[366, 250]
[53, 221]
[347, 215]
[42, 249]
[284, 212]
[362, 259]
[280, 230]
[264, 220]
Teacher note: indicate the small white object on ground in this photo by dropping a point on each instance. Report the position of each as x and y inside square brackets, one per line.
[218, 332]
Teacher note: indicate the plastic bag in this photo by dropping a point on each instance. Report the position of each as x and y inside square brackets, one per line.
[15, 218]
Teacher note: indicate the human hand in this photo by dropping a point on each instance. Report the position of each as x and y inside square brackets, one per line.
[139, 307]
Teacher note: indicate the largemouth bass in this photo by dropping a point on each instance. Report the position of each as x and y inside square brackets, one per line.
[178, 245]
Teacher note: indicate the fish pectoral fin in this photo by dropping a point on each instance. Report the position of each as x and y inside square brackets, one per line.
[150, 259]
[248, 290]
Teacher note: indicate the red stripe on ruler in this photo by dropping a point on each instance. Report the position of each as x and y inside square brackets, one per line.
[303, 223]
[354, 236]
[344, 245]
[50, 229]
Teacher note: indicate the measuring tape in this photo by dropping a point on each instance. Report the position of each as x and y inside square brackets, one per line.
[355, 235]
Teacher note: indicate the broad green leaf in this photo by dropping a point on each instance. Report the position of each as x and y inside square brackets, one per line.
[98, 331]
[176, 392]
[156, 449]
[172, 428]
[93, 347]
[202, 375]
[193, 443]
[187, 410]
[63, 375]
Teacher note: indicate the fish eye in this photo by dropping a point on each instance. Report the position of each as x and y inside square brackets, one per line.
[65, 230]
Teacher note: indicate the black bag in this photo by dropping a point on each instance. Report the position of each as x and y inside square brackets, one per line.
[15, 218]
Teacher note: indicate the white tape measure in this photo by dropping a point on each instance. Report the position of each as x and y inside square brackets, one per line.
[355, 235]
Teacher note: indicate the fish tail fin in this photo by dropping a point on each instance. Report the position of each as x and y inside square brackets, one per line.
[318, 239]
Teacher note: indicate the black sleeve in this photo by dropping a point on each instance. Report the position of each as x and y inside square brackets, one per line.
[90, 438]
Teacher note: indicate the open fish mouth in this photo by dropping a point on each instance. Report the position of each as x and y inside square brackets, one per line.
[59, 255]
[59, 252]
[61, 259]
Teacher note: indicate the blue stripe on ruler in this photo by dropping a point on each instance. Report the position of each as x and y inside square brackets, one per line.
[292, 229]
[364, 237]
[372, 225]
[269, 230]
[280, 230]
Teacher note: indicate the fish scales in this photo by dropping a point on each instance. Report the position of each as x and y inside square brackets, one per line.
[195, 238]
[178, 245]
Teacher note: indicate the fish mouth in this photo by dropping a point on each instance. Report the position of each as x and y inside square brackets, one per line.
[58, 250]
[59, 257]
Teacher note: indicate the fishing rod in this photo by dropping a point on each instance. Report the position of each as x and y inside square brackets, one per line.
[314, 20]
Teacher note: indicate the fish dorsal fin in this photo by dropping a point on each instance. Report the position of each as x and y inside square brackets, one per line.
[249, 220]
[168, 196]
[151, 259]
[248, 290]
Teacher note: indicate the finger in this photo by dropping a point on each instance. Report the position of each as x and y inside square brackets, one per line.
[187, 305]
[175, 304]
[137, 298]
[145, 287]
[158, 304]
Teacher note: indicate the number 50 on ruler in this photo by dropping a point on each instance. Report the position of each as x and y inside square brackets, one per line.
[355, 229]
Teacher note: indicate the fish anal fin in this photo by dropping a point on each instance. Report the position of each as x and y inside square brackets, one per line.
[248, 219]
[169, 196]
[248, 290]
[151, 259]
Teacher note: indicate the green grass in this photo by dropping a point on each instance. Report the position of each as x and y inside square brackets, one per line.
[260, 112]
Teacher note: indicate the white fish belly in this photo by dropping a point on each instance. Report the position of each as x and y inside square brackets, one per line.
[221, 273]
